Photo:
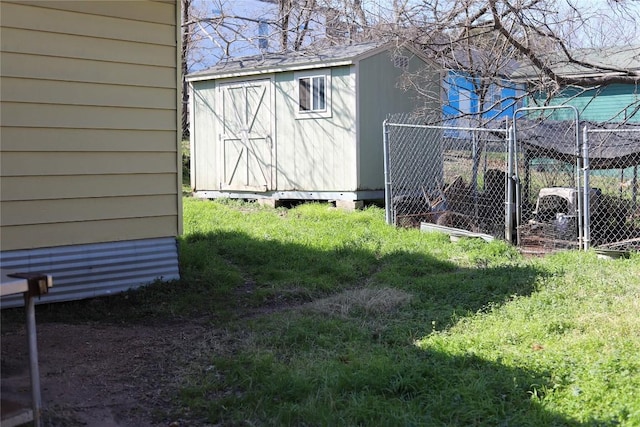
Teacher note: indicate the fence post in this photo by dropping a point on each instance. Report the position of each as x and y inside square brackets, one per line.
[508, 220]
[387, 183]
[587, 189]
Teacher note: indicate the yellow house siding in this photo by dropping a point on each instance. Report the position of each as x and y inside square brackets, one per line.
[137, 10]
[93, 163]
[67, 21]
[80, 70]
[86, 117]
[75, 233]
[88, 209]
[79, 93]
[99, 50]
[43, 139]
[89, 122]
[69, 187]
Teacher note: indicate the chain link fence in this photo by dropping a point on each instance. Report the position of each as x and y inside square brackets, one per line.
[614, 211]
[449, 176]
[544, 184]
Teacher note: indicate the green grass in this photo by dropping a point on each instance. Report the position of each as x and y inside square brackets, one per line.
[337, 319]
[475, 335]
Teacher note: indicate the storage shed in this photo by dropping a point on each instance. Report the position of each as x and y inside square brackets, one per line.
[90, 129]
[304, 125]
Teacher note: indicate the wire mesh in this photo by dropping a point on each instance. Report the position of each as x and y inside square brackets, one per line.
[448, 176]
[614, 159]
[548, 169]
[455, 177]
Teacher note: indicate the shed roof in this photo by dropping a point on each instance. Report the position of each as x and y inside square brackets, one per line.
[267, 63]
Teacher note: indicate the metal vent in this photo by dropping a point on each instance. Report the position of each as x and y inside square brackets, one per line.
[400, 61]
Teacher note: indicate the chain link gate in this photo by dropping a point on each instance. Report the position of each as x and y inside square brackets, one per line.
[547, 167]
[449, 176]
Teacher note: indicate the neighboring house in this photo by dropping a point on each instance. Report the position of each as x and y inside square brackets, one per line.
[299, 126]
[616, 103]
[90, 129]
[239, 28]
[462, 105]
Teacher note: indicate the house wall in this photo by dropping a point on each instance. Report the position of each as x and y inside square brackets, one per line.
[614, 103]
[316, 154]
[461, 99]
[89, 131]
[380, 94]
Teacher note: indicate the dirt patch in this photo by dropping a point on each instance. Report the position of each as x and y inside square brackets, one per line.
[108, 375]
[372, 301]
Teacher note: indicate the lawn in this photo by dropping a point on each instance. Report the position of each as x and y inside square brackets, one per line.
[334, 318]
[372, 325]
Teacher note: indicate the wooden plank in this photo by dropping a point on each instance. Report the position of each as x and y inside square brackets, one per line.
[13, 413]
[65, 139]
[87, 209]
[76, 23]
[144, 11]
[70, 233]
[82, 186]
[71, 46]
[82, 70]
[85, 117]
[51, 163]
[89, 94]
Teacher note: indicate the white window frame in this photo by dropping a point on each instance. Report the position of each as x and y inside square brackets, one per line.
[319, 113]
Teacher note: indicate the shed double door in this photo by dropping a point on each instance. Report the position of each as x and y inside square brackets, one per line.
[246, 145]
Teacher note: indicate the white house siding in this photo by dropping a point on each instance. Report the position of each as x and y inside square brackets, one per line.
[89, 131]
[317, 154]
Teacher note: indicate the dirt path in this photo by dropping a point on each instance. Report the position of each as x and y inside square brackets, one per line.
[106, 375]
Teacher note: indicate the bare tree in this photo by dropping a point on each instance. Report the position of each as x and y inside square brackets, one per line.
[484, 39]
[186, 45]
[221, 29]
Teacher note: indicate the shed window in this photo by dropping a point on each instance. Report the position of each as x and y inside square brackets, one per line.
[312, 94]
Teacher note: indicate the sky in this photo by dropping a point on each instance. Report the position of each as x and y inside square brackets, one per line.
[607, 25]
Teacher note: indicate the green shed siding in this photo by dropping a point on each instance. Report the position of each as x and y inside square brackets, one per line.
[614, 103]
[316, 154]
[204, 131]
[377, 99]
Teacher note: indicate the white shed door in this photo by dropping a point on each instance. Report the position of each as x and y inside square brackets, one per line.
[246, 144]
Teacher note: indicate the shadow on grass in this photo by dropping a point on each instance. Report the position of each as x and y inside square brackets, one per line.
[378, 387]
[367, 374]
[370, 371]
